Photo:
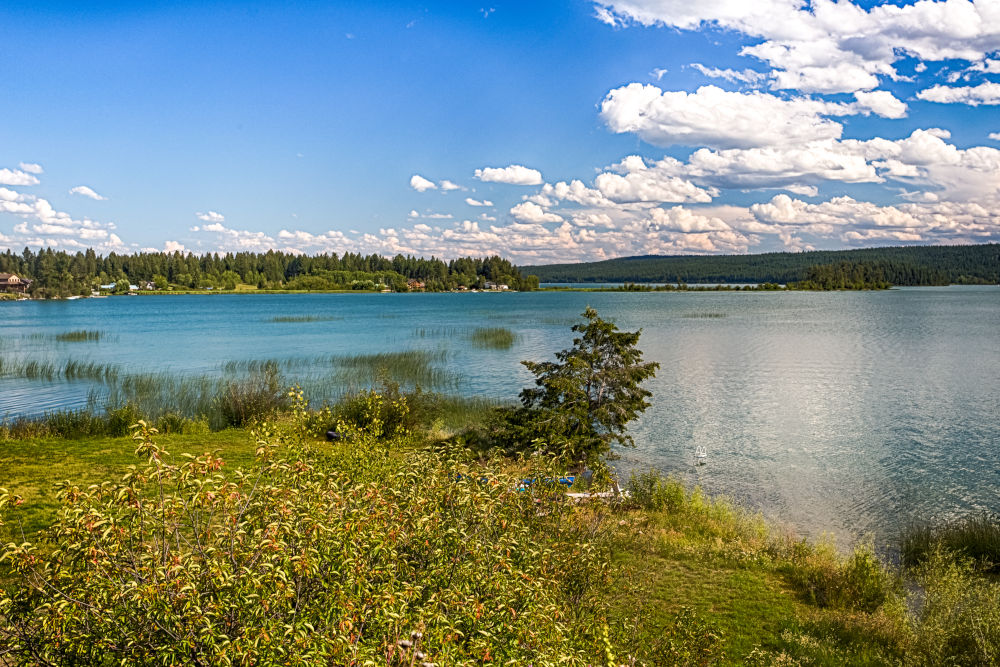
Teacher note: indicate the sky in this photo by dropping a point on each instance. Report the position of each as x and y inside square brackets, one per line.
[560, 131]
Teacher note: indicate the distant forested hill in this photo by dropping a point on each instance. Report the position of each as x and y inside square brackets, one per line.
[913, 265]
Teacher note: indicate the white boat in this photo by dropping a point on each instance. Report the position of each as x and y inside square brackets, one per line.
[700, 454]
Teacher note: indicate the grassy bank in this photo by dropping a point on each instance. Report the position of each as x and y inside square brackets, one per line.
[667, 577]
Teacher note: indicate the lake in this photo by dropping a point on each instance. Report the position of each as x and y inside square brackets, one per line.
[847, 413]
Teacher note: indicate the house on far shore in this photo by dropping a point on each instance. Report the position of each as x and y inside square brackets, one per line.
[414, 284]
[10, 282]
[497, 287]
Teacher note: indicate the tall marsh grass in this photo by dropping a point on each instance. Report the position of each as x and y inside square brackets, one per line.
[298, 319]
[976, 537]
[34, 369]
[705, 316]
[322, 375]
[80, 336]
[493, 338]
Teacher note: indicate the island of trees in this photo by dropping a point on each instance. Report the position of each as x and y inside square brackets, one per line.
[58, 273]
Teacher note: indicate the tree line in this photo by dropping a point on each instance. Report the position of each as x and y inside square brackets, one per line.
[912, 265]
[58, 273]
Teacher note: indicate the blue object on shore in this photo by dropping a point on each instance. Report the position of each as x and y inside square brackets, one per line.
[566, 481]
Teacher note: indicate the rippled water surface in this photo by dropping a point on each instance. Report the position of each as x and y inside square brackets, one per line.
[849, 413]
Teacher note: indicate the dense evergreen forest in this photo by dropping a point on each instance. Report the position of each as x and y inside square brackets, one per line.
[913, 265]
[60, 273]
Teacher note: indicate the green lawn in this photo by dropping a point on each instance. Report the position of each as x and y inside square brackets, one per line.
[30, 468]
[720, 563]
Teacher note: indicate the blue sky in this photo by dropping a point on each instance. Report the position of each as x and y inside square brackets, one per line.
[558, 131]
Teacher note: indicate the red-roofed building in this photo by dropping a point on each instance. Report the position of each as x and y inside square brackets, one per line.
[10, 282]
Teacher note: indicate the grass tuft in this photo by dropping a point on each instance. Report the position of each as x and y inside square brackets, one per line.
[80, 336]
[493, 338]
[298, 319]
[976, 537]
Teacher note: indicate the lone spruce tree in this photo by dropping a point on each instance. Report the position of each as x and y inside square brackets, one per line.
[582, 402]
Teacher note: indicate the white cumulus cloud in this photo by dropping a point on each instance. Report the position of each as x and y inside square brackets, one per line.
[86, 192]
[718, 118]
[515, 174]
[831, 46]
[475, 202]
[533, 213]
[211, 216]
[881, 103]
[16, 177]
[984, 93]
[31, 167]
[421, 184]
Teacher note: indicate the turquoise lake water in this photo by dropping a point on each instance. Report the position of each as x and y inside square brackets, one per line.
[846, 413]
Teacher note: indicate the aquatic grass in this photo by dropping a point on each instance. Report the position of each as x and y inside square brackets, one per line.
[70, 369]
[704, 316]
[297, 319]
[439, 332]
[413, 368]
[80, 336]
[449, 413]
[976, 537]
[331, 376]
[493, 338]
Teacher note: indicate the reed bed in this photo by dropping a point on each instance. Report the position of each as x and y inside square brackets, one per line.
[412, 368]
[976, 537]
[439, 332]
[34, 369]
[330, 376]
[244, 391]
[299, 319]
[493, 338]
[80, 336]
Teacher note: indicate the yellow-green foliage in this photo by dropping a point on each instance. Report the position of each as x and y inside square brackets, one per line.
[958, 620]
[313, 555]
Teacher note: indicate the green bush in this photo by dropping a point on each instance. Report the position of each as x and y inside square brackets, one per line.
[171, 422]
[651, 491]
[252, 399]
[384, 412]
[684, 640]
[121, 419]
[958, 620]
[317, 554]
[861, 582]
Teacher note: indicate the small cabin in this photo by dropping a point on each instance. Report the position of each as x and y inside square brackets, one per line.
[10, 282]
[414, 284]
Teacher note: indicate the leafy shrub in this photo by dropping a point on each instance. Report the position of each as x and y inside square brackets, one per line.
[252, 399]
[384, 412]
[70, 424]
[315, 555]
[958, 621]
[861, 582]
[171, 422]
[120, 420]
[650, 491]
[685, 640]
